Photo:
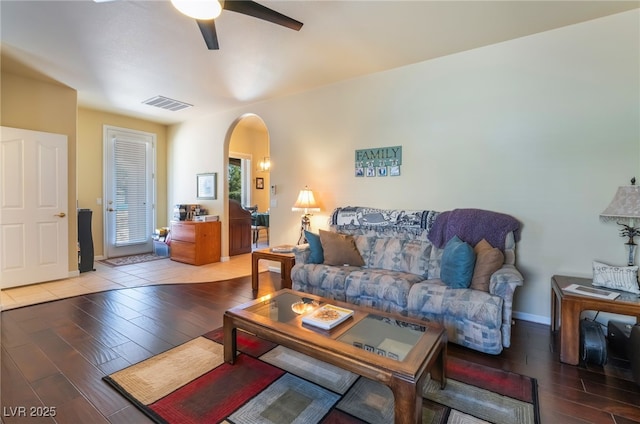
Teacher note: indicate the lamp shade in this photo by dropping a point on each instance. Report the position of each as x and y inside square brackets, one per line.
[199, 9]
[624, 206]
[306, 201]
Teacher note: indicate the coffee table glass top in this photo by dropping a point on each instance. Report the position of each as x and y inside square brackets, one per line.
[384, 336]
[278, 308]
[380, 335]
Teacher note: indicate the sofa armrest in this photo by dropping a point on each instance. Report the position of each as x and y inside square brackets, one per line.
[506, 276]
[302, 253]
[503, 283]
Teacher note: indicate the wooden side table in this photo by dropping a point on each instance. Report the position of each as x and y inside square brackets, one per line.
[566, 308]
[287, 260]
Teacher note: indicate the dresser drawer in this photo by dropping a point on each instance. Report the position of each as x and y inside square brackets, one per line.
[183, 232]
[183, 252]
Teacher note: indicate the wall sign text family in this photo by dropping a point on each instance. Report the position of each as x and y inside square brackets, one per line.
[378, 161]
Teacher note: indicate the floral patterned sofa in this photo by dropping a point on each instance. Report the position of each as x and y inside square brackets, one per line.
[402, 257]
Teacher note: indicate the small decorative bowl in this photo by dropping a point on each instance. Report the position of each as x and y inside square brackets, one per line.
[304, 306]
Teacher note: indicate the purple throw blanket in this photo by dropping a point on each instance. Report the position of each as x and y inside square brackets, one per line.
[473, 225]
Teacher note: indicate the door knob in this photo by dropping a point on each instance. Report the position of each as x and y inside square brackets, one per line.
[61, 214]
[110, 209]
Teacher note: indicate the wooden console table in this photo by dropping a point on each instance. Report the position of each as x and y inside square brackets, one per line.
[287, 260]
[566, 308]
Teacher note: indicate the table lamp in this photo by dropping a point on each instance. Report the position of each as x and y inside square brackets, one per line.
[306, 202]
[625, 209]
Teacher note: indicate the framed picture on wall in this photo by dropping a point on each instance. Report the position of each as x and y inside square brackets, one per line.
[207, 186]
[260, 183]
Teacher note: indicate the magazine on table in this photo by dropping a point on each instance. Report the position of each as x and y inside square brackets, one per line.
[591, 291]
[327, 316]
[286, 248]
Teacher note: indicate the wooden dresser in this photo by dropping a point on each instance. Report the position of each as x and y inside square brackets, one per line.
[195, 243]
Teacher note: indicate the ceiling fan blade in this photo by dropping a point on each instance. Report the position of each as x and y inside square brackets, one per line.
[251, 8]
[208, 30]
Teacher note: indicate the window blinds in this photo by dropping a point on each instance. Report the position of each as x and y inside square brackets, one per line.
[130, 158]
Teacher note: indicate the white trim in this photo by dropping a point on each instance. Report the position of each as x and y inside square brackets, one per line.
[532, 318]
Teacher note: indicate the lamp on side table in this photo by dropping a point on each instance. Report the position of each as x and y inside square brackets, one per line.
[625, 209]
[306, 202]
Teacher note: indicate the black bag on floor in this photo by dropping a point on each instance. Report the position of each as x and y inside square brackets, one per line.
[593, 345]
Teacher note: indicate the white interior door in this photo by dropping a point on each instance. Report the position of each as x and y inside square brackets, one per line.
[34, 225]
[129, 191]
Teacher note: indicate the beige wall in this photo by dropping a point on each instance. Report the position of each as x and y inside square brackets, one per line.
[36, 103]
[90, 170]
[544, 128]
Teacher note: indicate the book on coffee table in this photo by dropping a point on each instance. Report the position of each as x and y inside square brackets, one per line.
[327, 316]
[591, 291]
[286, 248]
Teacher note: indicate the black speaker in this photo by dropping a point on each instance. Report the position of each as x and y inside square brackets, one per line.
[634, 352]
[85, 241]
[624, 341]
[618, 334]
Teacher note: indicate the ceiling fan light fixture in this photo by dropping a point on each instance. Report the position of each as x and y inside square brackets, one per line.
[199, 9]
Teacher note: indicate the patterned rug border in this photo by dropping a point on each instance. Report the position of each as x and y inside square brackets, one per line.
[247, 345]
[132, 259]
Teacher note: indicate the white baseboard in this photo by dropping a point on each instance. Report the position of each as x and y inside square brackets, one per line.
[275, 269]
[532, 318]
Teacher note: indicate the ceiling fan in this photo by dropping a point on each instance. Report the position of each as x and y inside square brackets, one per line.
[213, 8]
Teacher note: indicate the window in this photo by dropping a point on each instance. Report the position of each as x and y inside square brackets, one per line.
[240, 178]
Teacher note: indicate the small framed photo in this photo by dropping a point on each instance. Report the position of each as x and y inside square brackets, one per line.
[382, 171]
[370, 171]
[207, 186]
[260, 183]
[394, 170]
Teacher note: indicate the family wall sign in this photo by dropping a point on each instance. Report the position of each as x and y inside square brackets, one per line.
[378, 161]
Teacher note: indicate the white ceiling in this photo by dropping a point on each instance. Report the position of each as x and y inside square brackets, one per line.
[119, 53]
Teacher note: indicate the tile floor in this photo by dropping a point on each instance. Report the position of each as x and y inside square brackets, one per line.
[105, 277]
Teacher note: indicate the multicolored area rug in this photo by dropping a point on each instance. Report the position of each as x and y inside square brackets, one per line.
[133, 259]
[268, 383]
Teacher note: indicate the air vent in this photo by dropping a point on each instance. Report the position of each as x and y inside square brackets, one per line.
[166, 103]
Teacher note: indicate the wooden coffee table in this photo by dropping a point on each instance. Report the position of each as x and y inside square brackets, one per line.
[391, 349]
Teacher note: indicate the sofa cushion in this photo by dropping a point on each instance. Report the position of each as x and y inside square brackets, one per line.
[380, 286]
[317, 254]
[458, 260]
[404, 255]
[489, 259]
[431, 298]
[340, 249]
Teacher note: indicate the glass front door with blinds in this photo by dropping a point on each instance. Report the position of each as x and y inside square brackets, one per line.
[129, 197]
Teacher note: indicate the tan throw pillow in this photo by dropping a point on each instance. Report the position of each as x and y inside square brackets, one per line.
[340, 249]
[489, 259]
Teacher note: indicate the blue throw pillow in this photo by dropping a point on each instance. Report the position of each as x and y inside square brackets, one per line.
[317, 254]
[458, 261]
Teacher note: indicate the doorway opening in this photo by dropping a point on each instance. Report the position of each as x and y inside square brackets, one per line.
[129, 191]
[248, 180]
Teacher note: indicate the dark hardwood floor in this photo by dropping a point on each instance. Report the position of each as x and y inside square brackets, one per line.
[55, 354]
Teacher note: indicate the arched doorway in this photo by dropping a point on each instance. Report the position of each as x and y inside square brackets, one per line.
[248, 174]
